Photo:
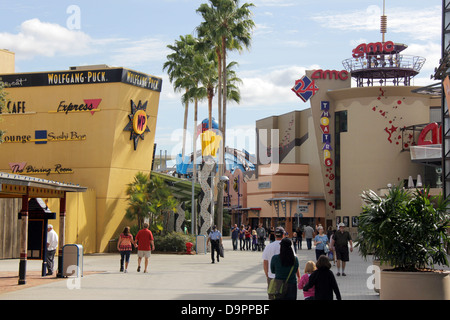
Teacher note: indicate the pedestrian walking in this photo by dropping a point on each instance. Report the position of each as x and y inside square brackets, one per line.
[125, 246]
[145, 244]
[52, 245]
[320, 242]
[242, 238]
[248, 237]
[235, 236]
[215, 237]
[340, 242]
[323, 281]
[270, 250]
[261, 232]
[299, 231]
[272, 234]
[254, 240]
[309, 232]
[310, 267]
[285, 266]
[332, 253]
[294, 240]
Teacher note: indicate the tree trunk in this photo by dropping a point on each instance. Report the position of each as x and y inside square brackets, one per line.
[186, 108]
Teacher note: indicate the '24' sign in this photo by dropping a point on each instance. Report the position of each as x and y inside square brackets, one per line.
[305, 88]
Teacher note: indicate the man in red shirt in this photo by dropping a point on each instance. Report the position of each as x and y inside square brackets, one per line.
[145, 244]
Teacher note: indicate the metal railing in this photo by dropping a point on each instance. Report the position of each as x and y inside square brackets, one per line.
[384, 61]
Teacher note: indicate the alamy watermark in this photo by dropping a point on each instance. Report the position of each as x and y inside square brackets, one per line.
[373, 282]
[73, 22]
[239, 139]
[74, 280]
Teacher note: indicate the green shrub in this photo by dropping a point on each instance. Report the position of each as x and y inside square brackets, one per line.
[173, 242]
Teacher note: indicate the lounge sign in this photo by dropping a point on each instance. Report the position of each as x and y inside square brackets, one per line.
[42, 137]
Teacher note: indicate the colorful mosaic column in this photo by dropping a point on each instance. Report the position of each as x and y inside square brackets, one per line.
[205, 206]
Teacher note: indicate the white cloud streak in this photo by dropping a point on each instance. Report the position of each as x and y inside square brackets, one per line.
[42, 39]
[419, 24]
[36, 38]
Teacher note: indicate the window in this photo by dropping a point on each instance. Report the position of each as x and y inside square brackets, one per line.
[340, 126]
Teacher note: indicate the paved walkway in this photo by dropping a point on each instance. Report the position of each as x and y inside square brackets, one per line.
[238, 276]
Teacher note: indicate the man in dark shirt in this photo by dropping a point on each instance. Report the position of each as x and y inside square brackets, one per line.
[340, 240]
[235, 236]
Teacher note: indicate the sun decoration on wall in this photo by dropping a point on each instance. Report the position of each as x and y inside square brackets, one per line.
[138, 124]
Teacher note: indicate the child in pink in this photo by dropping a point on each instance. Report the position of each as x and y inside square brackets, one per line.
[309, 268]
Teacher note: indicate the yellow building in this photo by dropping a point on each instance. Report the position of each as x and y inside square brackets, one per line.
[92, 126]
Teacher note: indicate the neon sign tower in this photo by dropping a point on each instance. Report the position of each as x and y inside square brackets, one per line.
[381, 63]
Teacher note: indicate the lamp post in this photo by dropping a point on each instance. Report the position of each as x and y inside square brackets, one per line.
[222, 180]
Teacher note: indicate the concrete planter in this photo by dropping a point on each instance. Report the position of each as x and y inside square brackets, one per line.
[377, 267]
[415, 285]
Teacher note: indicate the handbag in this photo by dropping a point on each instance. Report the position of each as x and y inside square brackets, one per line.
[277, 288]
[221, 250]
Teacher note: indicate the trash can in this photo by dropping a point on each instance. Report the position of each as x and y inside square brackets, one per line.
[201, 244]
[72, 260]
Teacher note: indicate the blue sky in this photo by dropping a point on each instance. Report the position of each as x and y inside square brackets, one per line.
[291, 36]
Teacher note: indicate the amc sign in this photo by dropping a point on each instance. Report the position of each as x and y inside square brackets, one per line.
[373, 48]
[329, 74]
[436, 135]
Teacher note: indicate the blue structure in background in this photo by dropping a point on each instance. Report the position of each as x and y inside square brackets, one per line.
[234, 159]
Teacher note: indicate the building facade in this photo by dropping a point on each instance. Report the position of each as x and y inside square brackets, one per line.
[92, 126]
[351, 139]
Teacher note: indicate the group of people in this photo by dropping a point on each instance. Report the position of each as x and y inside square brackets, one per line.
[250, 240]
[318, 281]
[279, 256]
[144, 242]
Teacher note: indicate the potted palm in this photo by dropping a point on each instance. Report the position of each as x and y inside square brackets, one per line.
[409, 230]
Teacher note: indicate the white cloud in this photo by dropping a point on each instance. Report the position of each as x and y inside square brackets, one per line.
[36, 38]
[272, 87]
[273, 3]
[139, 52]
[43, 39]
[424, 24]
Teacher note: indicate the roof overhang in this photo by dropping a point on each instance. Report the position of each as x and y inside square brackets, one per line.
[180, 188]
[16, 186]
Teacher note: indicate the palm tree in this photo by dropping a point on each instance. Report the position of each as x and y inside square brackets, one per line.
[228, 26]
[138, 201]
[206, 63]
[162, 203]
[176, 68]
[150, 198]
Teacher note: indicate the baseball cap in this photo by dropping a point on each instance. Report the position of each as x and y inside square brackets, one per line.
[279, 231]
